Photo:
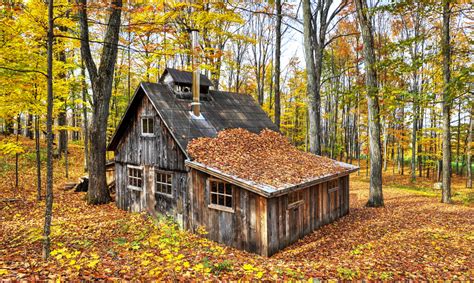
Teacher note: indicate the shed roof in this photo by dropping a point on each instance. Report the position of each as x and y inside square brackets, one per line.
[221, 110]
[266, 162]
[184, 77]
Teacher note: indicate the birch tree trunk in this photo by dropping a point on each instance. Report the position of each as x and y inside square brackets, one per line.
[375, 195]
[101, 80]
[446, 103]
[277, 62]
[313, 135]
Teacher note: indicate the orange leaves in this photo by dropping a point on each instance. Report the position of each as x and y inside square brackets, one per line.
[412, 237]
[267, 158]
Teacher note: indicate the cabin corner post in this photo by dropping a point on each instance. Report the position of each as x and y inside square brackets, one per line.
[263, 226]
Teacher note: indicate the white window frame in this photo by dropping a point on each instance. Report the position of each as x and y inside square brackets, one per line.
[147, 117]
[218, 206]
[128, 176]
[155, 182]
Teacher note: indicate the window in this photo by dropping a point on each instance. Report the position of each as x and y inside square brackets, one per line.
[333, 186]
[147, 126]
[220, 195]
[295, 198]
[334, 195]
[163, 183]
[135, 177]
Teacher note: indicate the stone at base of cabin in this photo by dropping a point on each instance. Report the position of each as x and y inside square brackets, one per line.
[438, 186]
[83, 185]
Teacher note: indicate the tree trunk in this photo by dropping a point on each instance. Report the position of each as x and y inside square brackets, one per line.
[375, 195]
[469, 154]
[18, 127]
[313, 106]
[62, 118]
[85, 119]
[446, 104]
[101, 79]
[38, 158]
[413, 141]
[277, 62]
[458, 139]
[49, 132]
[29, 127]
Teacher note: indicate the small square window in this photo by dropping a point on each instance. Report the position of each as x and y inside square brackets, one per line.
[295, 198]
[163, 183]
[148, 126]
[333, 186]
[135, 180]
[220, 195]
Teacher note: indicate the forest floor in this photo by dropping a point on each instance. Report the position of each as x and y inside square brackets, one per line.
[412, 237]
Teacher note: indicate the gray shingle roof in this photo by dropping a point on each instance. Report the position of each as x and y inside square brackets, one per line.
[184, 77]
[222, 110]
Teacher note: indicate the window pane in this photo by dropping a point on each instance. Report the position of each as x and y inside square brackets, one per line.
[221, 188]
[144, 126]
[150, 126]
[220, 200]
[213, 186]
[213, 198]
[228, 201]
[228, 189]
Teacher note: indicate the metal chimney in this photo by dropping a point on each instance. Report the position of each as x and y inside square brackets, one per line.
[196, 105]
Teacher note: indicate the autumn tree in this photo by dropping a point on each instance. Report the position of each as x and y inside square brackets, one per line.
[446, 103]
[101, 81]
[278, 35]
[363, 15]
[49, 133]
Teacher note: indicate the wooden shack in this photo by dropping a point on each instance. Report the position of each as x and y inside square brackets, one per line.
[154, 171]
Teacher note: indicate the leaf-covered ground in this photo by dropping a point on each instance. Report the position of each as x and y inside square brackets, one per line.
[413, 237]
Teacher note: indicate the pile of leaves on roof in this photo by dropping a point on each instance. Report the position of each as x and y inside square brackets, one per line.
[266, 158]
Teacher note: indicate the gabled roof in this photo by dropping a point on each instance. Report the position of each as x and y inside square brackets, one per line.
[222, 110]
[266, 163]
[184, 77]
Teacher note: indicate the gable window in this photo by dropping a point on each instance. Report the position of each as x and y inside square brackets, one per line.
[135, 177]
[148, 126]
[220, 195]
[295, 198]
[163, 183]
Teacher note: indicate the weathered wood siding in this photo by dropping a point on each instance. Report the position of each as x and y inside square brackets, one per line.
[245, 228]
[157, 152]
[266, 225]
[320, 206]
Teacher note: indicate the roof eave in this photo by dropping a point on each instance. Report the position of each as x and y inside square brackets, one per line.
[265, 190]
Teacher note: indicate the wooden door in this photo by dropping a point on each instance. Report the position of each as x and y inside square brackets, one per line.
[295, 222]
